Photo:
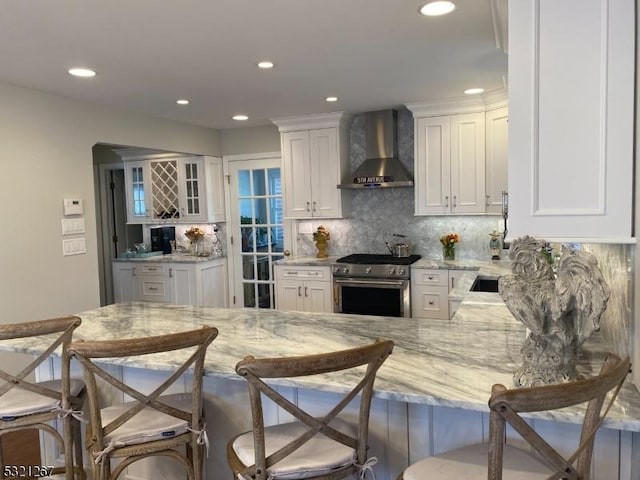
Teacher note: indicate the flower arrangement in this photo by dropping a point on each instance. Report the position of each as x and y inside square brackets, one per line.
[448, 242]
[321, 234]
[194, 234]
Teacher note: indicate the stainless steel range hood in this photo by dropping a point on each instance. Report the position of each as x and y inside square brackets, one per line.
[381, 168]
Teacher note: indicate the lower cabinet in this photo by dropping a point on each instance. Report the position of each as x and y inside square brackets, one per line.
[304, 289]
[202, 284]
[430, 293]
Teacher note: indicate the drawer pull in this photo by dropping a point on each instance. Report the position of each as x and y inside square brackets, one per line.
[314, 273]
[430, 277]
[430, 302]
[153, 289]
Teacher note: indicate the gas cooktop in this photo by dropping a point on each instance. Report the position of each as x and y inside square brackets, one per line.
[378, 259]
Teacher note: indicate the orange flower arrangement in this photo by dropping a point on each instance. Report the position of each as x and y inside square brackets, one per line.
[448, 242]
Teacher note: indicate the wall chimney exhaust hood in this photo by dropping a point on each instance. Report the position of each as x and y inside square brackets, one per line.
[381, 167]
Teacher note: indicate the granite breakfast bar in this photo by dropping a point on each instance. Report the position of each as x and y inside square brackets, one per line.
[431, 394]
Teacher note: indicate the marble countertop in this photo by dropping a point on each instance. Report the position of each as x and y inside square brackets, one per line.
[169, 258]
[444, 363]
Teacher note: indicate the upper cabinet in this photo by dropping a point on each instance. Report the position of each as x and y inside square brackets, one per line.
[571, 125]
[314, 160]
[460, 160]
[497, 159]
[171, 188]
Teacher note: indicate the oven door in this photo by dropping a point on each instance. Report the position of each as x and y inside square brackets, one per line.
[372, 296]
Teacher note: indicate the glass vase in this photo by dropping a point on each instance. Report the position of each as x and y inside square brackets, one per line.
[449, 252]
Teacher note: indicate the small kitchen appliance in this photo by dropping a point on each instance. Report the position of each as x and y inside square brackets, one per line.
[372, 284]
[400, 249]
[161, 238]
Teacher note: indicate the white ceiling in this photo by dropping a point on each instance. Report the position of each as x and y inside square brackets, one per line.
[372, 54]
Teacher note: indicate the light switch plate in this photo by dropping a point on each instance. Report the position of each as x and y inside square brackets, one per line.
[74, 246]
[72, 226]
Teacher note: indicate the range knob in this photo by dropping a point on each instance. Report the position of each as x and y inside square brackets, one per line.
[336, 269]
[367, 270]
[392, 271]
[345, 269]
[401, 271]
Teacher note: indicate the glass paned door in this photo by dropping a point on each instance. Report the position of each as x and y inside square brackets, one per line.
[257, 229]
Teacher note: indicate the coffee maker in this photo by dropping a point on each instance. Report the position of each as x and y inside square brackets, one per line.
[161, 238]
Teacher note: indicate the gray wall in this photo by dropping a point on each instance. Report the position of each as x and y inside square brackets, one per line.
[46, 154]
[237, 141]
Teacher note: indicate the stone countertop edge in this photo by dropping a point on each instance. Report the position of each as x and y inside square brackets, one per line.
[170, 258]
[436, 362]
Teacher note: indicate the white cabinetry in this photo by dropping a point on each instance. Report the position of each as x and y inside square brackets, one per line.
[571, 126]
[454, 277]
[497, 158]
[458, 168]
[306, 289]
[450, 164]
[166, 188]
[429, 293]
[200, 283]
[314, 161]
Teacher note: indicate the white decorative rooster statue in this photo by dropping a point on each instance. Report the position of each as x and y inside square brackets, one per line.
[561, 310]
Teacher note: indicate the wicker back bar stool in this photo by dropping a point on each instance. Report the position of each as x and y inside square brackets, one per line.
[312, 447]
[496, 459]
[26, 405]
[154, 424]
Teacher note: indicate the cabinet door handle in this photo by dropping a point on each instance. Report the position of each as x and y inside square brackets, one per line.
[305, 292]
[314, 207]
[452, 282]
[446, 201]
[170, 272]
[299, 291]
[308, 207]
[455, 201]
[133, 272]
[487, 203]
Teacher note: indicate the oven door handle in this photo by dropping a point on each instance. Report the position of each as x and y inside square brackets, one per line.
[390, 283]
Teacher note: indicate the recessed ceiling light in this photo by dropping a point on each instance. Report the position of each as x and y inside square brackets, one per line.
[82, 72]
[433, 9]
[240, 118]
[473, 91]
[182, 101]
[331, 99]
[265, 65]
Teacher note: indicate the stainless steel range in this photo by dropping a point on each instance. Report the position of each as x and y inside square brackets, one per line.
[373, 285]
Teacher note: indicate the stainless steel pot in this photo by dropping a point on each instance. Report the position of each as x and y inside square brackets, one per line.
[400, 249]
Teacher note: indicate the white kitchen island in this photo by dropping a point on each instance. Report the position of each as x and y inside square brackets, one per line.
[431, 394]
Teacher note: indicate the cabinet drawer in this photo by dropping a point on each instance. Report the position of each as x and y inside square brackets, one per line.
[430, 302]
[434, 277]
[152, 270]
[320, 274]
[155, 289]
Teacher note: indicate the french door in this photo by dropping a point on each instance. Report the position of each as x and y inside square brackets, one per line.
[256, 229]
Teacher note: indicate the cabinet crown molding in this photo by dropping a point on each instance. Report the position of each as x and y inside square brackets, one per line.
[311, 122]
[459, 105]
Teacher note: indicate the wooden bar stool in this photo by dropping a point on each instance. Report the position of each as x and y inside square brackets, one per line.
[169, 425]
[26, 405]
[325, 448]
[496, 460]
